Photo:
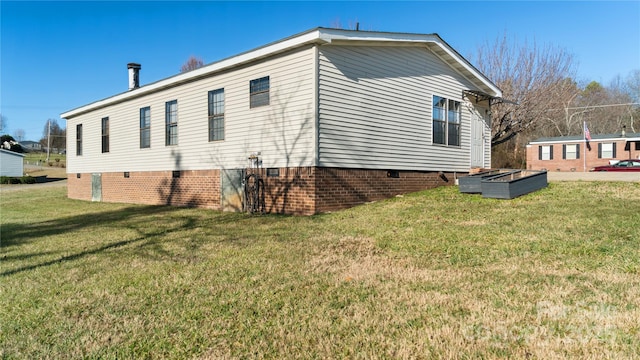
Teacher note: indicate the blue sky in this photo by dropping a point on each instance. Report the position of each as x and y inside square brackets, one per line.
[56, 56]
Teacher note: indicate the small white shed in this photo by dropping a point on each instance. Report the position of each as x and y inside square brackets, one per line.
[11, 163]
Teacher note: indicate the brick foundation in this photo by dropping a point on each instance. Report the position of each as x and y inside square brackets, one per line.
[191, 188]
[79, 187]
[343, 188]
[299, 191]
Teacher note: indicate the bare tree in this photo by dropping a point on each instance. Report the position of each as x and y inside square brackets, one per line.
[607, 109]
[561, 121]
[352, 24]
[3, 123]
[533, 76]
[632, 85]
[19, 135]
[53, 135]
[192, 63]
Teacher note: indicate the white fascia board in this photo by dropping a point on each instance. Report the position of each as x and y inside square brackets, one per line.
[315, 36]
[470, 69]
[580, 141]
[13, 153]
[253, 55]
[369, 36]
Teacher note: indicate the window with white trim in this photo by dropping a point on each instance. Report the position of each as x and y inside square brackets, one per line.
[105, 134]
[216, 115]
[259, 92]
[171, 120]
[446, 116]
[145, 127]
[606, 150]
[545, 152]
[570, 151]
[79, 139]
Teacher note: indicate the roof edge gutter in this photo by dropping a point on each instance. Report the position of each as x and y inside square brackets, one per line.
[311, 37]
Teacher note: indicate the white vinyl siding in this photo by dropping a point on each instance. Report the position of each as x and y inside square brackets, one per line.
[375, 109]
[11, 163]
[281, 132]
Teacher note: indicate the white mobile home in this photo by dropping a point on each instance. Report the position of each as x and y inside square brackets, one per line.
[326, 119]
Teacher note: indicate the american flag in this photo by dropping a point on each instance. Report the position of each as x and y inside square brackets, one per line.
[587, 134]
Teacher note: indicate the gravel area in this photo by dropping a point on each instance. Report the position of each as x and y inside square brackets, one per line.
[593, 176]
[4, 188]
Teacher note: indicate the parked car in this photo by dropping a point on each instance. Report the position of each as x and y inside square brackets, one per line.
[623, 165]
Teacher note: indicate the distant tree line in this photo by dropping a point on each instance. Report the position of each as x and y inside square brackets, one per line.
[54, 136]
[549, 99]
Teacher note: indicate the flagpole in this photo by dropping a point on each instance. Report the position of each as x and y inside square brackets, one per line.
[584, 160]
[584, 137]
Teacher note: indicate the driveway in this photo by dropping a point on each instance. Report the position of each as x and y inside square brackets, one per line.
[553, 176]
[5, 188]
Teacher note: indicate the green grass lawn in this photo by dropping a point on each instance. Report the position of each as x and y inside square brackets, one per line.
[553, 274]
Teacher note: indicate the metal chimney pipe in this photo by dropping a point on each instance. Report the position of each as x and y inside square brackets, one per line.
[134, 75]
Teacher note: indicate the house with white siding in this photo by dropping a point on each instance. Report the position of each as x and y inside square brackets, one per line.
[324, 120]
[29, 145]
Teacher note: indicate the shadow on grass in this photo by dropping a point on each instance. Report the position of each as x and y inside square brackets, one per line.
[150, 223]
[71, 257]
[14, 234]
[19, 234]
[27, 256]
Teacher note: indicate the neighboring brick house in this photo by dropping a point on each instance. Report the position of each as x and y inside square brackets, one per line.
[333, 117]
[571, 153]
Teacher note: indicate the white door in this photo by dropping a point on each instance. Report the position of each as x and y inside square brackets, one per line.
[477, 141]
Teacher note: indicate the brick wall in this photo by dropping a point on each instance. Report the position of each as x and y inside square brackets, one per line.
[191, 188]
[291, 192]
[79, 188]
[299, 191]
[310, 190]
[343, 188]
[560, 164]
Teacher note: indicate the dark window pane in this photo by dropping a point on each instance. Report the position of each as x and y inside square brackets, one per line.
[216, 115]
[454, 136]
[259, 92]
[171, 119]
[145, 127]
[438, 132]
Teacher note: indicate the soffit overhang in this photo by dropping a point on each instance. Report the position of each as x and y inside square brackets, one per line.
[318, 36]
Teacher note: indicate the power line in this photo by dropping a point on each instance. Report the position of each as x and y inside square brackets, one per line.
[597, 106]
